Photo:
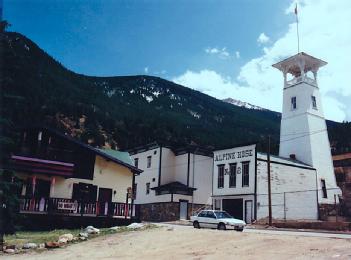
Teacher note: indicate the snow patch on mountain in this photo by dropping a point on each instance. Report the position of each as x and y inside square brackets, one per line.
[239, 103]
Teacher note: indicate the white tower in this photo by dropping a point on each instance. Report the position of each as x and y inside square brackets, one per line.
[303, 132]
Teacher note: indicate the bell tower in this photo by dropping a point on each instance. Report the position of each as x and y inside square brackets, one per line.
[303, 130]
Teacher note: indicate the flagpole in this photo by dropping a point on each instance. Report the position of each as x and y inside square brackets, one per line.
[297, 30]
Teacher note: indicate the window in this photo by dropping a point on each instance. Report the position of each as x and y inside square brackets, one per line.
[136, 162]
[324, 189]
[314, 102]
[148, 165]
[232, 175]
[148, 188]
[210, 214]
[246, 170]
[220, 180]
[293, 103]
[202, 214]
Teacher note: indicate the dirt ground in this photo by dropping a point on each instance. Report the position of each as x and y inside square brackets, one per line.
[189, 243]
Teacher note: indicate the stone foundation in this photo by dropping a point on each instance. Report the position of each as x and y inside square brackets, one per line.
[164, 211]
[328, 210]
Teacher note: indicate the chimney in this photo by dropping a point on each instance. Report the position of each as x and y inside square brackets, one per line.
[292, 156]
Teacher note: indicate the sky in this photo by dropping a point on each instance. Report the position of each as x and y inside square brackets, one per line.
[224, 48]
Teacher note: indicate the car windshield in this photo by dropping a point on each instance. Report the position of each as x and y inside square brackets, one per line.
[222, 214]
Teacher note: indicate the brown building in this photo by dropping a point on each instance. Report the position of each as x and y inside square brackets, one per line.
[342, 167]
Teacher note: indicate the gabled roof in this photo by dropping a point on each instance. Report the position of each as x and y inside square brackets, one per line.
[107, 155]
[122, 156]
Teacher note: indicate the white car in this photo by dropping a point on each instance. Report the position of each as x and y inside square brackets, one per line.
[217, 219]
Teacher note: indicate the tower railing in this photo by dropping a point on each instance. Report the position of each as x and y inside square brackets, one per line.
[300, 79]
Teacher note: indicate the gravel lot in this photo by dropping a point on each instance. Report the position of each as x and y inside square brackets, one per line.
[188, 243]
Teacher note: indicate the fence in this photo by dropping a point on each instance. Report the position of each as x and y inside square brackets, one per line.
[294, 205]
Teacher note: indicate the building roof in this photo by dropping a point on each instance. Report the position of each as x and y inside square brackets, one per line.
[291, 64]
[97, 151]
[122, 156]
[195, 149]
[283, 160]
[343, 156]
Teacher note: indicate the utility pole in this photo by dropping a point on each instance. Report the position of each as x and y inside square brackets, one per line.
[269, 181]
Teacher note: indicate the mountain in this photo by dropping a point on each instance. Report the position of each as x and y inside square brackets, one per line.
[120, 112]
[240, 103]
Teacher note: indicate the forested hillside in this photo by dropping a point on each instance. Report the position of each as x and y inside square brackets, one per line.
[125, 111]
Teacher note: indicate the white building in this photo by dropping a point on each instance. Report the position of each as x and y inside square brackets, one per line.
[174, 182]
[303, 133]
[240, 185]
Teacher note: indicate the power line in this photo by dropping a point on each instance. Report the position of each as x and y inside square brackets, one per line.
[282, 141]
[307, 132]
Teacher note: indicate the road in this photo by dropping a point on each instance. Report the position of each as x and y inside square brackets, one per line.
[184, 242]
[306, 233]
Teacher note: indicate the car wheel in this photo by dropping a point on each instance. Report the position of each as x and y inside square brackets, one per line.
[240, 229]
[221, 226]
[196, 224]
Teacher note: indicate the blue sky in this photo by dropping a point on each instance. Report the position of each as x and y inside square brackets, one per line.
[223, 48]
[125, 37]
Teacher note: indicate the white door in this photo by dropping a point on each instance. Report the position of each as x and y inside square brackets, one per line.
[248, 211]
[183, 210]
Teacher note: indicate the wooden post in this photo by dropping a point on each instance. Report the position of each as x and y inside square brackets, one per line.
[336, 211]
[2, 222]
[269, 181]
[126, 210]
[284, 206]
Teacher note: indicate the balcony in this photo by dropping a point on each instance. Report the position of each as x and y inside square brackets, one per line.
[300, 79]
[69, 207]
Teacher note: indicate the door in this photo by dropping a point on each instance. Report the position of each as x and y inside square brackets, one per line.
[234, 207]
[105, 199]
[183, 209]
[211, 220]
[248, 211]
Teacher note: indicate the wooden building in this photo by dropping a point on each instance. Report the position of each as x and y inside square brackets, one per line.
[62, 176]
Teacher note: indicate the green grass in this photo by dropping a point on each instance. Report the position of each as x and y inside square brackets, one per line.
[38, 237]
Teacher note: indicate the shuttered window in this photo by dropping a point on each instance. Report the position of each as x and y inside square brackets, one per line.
[232, 175]
[220, 180]
[246, 173]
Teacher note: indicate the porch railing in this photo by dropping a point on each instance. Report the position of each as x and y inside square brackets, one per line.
[73, 207]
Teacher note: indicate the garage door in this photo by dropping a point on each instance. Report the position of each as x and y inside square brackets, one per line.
[234, 207]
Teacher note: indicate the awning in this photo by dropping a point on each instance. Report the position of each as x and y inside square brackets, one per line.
[174, 188]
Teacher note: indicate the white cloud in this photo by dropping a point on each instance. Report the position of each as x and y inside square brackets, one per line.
[237, 54]
[146, 70]
[262, 38]
[220, 53]
[214, 84]
[324, 27]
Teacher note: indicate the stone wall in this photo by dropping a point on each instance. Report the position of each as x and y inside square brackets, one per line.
[164, 211]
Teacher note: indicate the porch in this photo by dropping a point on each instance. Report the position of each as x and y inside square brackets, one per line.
[70, 207]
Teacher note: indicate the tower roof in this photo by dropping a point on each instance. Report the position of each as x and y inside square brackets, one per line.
[294, 64]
